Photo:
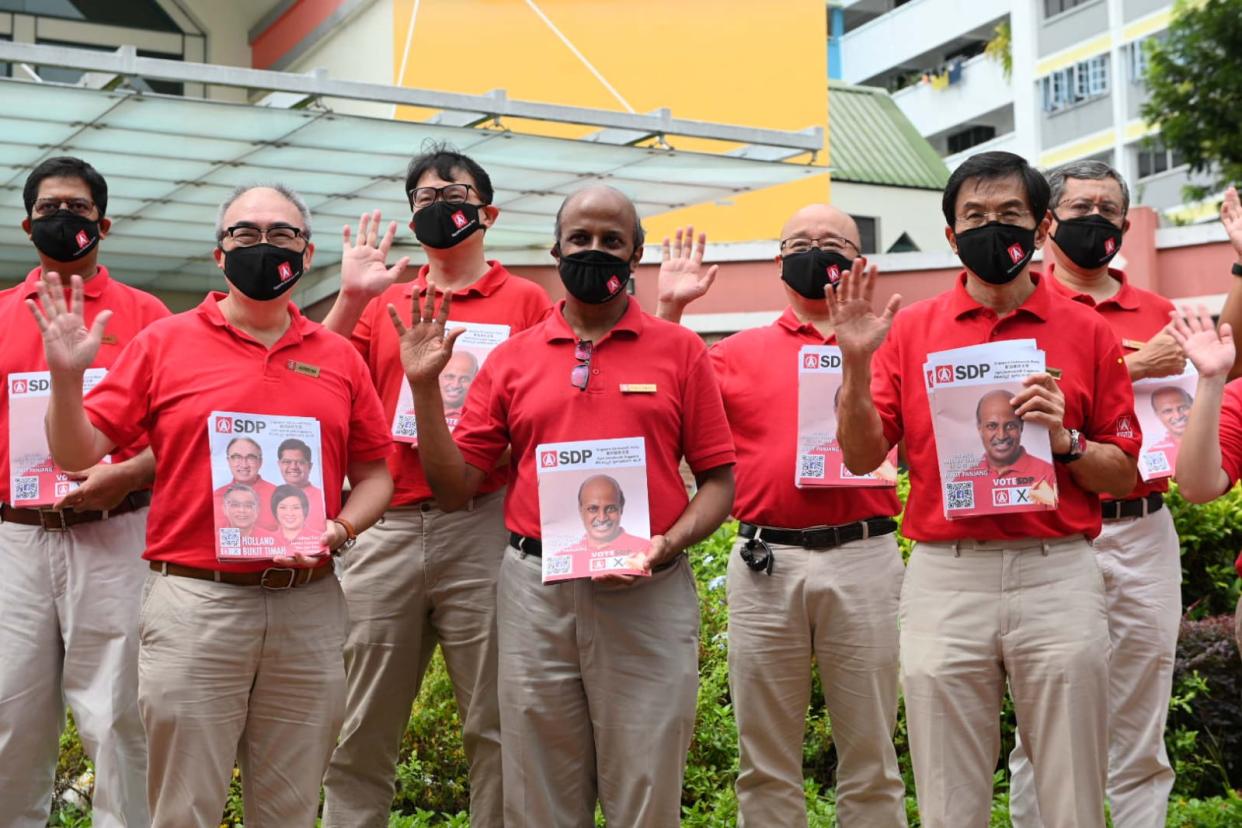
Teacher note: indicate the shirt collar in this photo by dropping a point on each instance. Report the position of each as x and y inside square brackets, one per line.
[556, 328]
[485, 285]
[962, 303]
[92, 288]
[789, 321]
[1125, 298]
[299, 327]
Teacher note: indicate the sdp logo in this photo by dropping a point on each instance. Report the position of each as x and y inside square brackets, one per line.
[810, 361]
[459, 219]
[944, 373]
[547, 460]
[224, 425]
[19, 386]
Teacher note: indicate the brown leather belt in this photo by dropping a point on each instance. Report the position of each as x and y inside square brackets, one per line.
[275, 577]
[59, 520]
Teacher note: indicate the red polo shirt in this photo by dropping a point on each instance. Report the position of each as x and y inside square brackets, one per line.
[522, 397]
[1099, 401]
[758, 374]
[498, 298]
[179, 370]
[1231, 439]
[1135, 316]
[132, 310]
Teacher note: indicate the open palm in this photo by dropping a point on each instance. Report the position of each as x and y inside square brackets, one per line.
[681, 278]
[425, 347]
[853, 318]
[67, 343]
[1211, 351]
[1231, 219]
[364, 263]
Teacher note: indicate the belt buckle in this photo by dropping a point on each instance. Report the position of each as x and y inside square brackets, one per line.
[293, 577]
[59, 525]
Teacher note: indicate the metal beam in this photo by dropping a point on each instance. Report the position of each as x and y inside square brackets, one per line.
[496, 105]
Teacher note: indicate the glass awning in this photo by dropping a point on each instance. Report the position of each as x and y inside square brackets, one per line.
[170, 161]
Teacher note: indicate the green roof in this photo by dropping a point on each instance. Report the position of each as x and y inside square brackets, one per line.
[870, 141]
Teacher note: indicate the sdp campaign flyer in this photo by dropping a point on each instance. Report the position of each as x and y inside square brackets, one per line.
[34, 480]
[1163, 409]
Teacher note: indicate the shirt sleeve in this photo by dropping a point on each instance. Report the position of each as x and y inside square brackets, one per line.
[1231, 432]
[1111, 417]
[706, 440]
[886, 385]
[482, 433]
[120, 405]
[537, 306]
[368, 438]
[361, 336]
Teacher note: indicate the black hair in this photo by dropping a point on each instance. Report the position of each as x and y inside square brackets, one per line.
[445, 161]
[281, 492]
[294, 444]
[66, 166]
[989, 166]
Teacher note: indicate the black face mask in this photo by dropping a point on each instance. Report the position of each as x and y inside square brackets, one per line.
[996, 252]
[442, 225]
[593, 276]
[64, 236]
[812, 272]
[262, 271]
[1090, 241]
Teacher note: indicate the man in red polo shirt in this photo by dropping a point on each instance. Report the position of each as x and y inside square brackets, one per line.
[1138, 549]
[816, 572]
[1005, 462]
[1210, 461]
[238, 660]
[601, 504]
[423, 577]
[296, 460]
[72, 575]
[992, 600]
[600, 675]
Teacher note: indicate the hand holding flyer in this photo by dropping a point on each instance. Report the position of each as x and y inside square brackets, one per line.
[34, 480]
[1163, 408]
[991, 461]
[820, 462]
[257, 519]
[593, 508]
[469, 352]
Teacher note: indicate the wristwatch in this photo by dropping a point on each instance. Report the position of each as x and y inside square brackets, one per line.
[1078, 447]
[1237, 269]
[351, 537]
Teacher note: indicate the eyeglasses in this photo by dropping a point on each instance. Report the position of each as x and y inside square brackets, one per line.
[244, 458]
[978, 218]
[581, 373]
[247, 505]
[802, 245]
[78, 206]
[280, 235]
[421, 197]
[758, 556]
[1081, 207]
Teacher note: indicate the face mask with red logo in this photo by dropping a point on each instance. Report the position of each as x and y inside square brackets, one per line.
[593, 276]
[442, 225]
[1091, 241]
[64, 236]
[996, 252]
[262, 271]
[812, 272]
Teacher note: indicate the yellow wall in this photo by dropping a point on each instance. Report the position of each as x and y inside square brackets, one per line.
[746, 62]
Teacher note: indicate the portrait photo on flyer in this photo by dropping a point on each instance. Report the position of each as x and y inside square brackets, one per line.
[1163, 408]
[34, 479]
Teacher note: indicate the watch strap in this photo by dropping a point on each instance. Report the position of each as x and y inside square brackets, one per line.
[1236, 269]
[1077, 447]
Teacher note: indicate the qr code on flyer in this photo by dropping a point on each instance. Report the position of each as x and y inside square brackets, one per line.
[407, 426]
[558, 565]
[1156, 462]
[27, 488]
[960, 496]
[811, 466]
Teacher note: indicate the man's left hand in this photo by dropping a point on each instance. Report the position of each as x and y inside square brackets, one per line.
[103, 487]
[1042, 402]
[658, 553]
[681, 280]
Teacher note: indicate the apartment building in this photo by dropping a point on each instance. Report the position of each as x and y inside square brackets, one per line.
[1073, 87]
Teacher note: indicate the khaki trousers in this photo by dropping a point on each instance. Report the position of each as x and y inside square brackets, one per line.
[69, 632]
[598, 696]
[1140, 559]
[838, 606]
[975, 615]
[238, 672]
[419, 578]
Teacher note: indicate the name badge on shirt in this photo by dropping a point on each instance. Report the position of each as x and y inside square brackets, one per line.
[1132, 344]
[1055, 373]
[303, 368]
[638, 388]
[109, 339]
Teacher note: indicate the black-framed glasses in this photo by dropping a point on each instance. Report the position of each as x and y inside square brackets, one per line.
[1082, 207]
[799, 244]
[44, 207]
[244, 458]
[280, 235]
[580, 375]
[757, 555]
[421, 197]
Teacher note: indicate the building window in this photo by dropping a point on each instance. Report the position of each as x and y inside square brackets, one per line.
[1055, 7]
[1081, 82]
[867, 229]
[967, 138]
[132, 14]
[1156, 158]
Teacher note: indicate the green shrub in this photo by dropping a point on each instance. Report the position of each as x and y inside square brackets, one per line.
[1211, 535]
[1204, 734]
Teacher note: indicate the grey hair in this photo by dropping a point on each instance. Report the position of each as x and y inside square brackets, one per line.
[289, 193]
[640, 235]
[1091, 171]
